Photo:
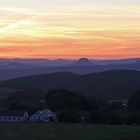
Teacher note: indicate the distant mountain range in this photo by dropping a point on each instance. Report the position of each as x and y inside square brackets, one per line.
[14, 68]
[64, 62]
[114, 84]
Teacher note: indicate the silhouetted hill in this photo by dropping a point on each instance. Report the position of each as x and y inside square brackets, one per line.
[14, 68]
[115, 84]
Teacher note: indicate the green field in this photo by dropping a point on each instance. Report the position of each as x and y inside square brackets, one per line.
[40, 131]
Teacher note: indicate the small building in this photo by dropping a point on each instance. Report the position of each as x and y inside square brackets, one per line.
[84, 116]
[14, 116]
[44, 115]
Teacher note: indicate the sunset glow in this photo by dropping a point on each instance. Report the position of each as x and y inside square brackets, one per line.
[101, 29]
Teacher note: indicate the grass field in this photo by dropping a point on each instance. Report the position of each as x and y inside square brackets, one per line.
[68, 132]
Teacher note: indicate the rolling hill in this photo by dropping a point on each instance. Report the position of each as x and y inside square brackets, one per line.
[15, 68]
[114, 84]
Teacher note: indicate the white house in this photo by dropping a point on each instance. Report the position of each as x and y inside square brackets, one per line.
[45, 115]
[14, 116]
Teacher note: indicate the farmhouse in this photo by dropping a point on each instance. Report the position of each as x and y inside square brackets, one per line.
[45, 115]
[13, 116]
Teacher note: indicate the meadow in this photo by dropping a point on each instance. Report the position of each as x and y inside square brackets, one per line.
[41, 131]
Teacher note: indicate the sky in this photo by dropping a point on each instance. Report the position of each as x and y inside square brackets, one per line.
[100, 29]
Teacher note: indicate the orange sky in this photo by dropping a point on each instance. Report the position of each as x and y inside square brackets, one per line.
[102, 31]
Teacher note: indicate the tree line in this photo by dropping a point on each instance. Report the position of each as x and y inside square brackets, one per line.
[73, 107]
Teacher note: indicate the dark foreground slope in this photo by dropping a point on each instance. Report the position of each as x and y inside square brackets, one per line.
[115, 84]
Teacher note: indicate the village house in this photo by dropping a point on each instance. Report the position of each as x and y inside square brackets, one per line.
[14, 116]
[44, 115]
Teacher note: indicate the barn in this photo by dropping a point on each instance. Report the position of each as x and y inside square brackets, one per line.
[14, 116]
[44, 115]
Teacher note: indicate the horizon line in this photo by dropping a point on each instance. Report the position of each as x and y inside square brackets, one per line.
[59, 58]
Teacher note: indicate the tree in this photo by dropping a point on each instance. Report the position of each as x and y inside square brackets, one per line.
[134, 118]
[116, 106]
[18, 106]
[64, 99]
[69, 115]
[134, 102]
